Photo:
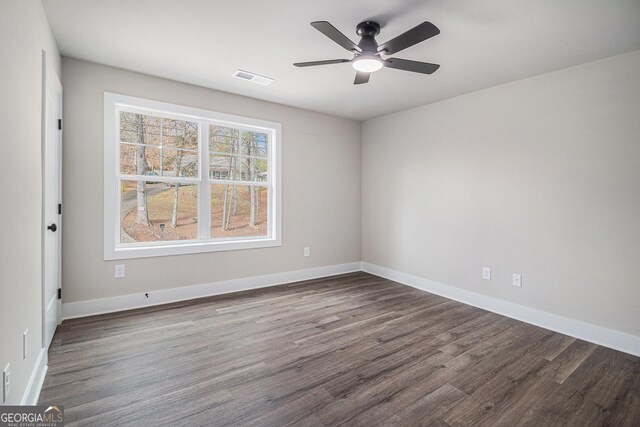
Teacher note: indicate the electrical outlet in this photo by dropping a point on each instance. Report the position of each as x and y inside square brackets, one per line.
[24, 344]
[6, 383]
[517, 280]
[119, 273]
[307, 251]
[486, 273]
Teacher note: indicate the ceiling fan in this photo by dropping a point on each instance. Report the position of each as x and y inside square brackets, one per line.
[368, 55]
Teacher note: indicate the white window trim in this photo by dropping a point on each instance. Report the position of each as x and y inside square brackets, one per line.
[114, 250]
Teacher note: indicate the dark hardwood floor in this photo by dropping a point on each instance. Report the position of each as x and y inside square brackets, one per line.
[352, 350]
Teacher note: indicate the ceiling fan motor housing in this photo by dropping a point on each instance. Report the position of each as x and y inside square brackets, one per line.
[368, 30]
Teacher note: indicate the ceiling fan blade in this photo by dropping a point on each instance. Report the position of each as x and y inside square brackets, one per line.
[332, 32]
[414, 36]
[415, 66]
[328, 61]
[361, 78]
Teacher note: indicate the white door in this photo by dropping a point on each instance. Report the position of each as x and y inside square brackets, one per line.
[51, 201]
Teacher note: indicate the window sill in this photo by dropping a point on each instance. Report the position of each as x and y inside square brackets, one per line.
[185, 248]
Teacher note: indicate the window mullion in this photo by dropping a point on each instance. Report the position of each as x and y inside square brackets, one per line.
[204, 196]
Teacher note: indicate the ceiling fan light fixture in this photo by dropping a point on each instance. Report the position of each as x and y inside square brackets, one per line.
[367, 64]
[367, 53]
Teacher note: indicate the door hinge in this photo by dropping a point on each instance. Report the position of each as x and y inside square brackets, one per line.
[59, 208]
[59, 124]
[59, 293]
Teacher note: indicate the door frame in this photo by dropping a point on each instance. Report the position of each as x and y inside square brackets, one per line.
[50, 79]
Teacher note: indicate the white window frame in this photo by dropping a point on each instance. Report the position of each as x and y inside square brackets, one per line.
[114, 250]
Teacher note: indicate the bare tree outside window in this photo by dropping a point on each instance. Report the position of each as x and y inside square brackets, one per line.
[238, 156]
[180, 180]
[166, 195]
[157, 149]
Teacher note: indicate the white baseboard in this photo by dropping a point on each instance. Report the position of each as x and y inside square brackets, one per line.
[72, 310]
[596, 334]
[32, 392]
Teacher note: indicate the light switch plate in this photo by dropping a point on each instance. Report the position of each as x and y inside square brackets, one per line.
[307, 251]
[486, 273]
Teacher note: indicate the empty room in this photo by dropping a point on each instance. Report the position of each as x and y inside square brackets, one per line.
[329, 213]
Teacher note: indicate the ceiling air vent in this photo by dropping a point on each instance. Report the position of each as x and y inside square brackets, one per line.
[254, 78]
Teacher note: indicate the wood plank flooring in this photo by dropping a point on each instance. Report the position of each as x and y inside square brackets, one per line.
[353, 350]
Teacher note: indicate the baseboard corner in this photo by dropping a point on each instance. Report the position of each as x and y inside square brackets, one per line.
[600, 335]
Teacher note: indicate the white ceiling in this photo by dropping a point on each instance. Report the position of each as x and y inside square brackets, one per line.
[483, 43]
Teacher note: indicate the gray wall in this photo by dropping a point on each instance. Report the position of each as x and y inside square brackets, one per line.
[24, 34]
[538, 177]
[321, 188]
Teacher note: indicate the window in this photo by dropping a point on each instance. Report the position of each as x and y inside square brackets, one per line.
[183, 180]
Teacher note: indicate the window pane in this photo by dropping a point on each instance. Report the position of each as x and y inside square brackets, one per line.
[225, 167]
[237, 154]
[139, 160]
[127, 159]
[238, 210]
[151, 212]
[157, 146]
[255, 143]
[139, 128]
[255, 169]
[179, 134]
[224, 140]
[129, 127]
[179, 163]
